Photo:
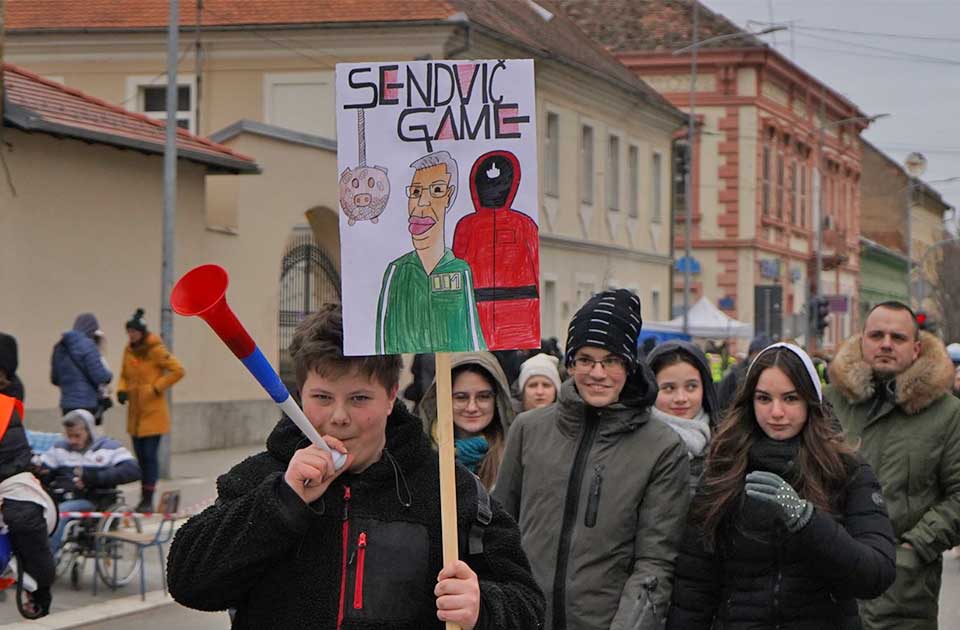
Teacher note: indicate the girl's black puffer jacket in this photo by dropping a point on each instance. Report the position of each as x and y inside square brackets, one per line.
[760, 576]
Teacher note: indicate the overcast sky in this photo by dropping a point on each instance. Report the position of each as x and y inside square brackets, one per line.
[911, 71]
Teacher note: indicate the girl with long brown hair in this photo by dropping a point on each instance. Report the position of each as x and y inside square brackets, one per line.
[788, 527]
[482, 413]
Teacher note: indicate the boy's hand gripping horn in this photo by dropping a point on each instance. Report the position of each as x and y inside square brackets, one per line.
[202, 291]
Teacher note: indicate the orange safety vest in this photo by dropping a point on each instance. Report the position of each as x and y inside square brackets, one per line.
[7, 406]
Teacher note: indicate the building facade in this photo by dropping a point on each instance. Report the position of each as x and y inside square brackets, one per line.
[883, 275]
[771, 141]
[907, 216]
[261, 77]
[82, 211]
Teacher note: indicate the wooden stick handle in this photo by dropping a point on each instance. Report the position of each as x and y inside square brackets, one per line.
[448, 471]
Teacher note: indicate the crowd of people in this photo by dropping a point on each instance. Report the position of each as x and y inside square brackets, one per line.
[83, 462]
[607, 487]
[620, 484]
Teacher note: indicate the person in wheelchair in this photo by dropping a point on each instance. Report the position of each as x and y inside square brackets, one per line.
[82, 467]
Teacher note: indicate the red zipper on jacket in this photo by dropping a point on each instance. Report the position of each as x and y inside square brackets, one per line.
[358, 584]
[343, 561]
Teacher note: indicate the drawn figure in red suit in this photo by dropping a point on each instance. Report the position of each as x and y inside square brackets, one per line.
[502, 247]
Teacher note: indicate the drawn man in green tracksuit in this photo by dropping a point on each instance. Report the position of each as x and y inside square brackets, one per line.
[426, 298]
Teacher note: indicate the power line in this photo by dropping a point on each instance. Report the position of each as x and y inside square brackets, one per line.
[929, 38]
[828, 29]
[155, 77]
[906, 55]
[855, 53]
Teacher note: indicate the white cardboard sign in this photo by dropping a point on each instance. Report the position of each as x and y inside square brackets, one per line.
[438, 206]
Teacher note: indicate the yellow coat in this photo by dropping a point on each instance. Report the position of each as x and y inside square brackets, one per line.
[148, 371]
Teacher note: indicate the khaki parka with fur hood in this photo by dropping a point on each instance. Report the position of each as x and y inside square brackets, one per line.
[909, 433]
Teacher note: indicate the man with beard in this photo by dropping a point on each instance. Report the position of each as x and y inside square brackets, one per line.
[890, 387]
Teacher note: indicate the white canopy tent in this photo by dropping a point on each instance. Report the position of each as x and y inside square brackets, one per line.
[705, 320]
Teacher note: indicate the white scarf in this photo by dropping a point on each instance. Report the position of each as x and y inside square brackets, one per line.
[25, 487]
[695, 432]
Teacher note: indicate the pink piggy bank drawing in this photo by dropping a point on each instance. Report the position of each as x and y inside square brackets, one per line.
[364, 191]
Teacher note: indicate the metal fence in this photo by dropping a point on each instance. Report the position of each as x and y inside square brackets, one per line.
[308, 279]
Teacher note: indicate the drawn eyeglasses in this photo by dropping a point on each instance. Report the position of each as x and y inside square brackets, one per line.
[437, 190]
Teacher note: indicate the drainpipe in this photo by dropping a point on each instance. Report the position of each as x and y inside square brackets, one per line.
[467, 30]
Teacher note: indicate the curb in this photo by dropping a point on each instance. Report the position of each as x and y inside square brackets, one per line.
[94, 613]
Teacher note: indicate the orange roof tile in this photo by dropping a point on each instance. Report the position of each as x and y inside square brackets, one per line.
[535, 24]
[35, 104]
[654, 25]
[135, 14]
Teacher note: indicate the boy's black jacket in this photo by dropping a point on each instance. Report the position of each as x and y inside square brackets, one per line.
[280, 563]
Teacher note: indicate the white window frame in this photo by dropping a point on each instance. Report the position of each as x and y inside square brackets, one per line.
[633, 181]
[612, 173]
[656, 187]
[551, 156]
[271, 79]
[587, 167]
[134, 98]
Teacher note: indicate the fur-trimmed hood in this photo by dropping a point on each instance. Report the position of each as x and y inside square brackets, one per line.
[927, 380]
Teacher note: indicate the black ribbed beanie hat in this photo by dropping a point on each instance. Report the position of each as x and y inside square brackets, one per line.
[609, 320]
[137, 322]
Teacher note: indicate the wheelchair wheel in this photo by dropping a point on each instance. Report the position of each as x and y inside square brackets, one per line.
[118, 561]
[75, 568]
[69, 553]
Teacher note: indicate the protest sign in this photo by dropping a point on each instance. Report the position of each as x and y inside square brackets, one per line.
[438, 202]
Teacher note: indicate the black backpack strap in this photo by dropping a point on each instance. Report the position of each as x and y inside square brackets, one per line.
[483, 518]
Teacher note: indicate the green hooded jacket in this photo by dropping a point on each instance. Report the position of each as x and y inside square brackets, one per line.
[909, 433]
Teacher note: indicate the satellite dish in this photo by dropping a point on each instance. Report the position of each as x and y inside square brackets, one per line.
[916, 164]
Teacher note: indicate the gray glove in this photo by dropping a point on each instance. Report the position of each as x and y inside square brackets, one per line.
[772, 489]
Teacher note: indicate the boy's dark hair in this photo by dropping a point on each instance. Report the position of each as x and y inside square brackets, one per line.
[317, 346]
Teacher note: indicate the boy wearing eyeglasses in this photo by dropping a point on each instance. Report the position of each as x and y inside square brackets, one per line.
[598, 486]
[427, 295]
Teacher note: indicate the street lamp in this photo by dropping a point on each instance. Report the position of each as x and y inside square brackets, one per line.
[815, 291]
[691, 125]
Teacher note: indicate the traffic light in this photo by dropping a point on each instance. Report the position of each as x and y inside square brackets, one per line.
[820, 309]
[925, 322]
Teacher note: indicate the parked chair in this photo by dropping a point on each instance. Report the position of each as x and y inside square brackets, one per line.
[168, 506]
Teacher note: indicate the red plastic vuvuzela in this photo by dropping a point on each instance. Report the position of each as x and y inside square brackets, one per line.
[202, 292]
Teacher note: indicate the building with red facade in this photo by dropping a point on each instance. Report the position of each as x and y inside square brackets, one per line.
[764, 129]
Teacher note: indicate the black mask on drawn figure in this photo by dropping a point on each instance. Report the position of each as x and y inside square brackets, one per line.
[493, 180]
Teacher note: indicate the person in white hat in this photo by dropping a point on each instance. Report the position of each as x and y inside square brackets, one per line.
[539, 381]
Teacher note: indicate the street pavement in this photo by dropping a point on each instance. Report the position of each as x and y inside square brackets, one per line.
[195, 474]
[174, 615]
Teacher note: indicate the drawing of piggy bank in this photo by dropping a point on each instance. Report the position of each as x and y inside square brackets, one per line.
[364, 192]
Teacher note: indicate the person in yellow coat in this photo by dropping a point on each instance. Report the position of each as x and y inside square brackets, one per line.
[149, 370]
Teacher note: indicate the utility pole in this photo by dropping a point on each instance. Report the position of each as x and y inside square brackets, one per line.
[813, 304]
[2, 31]
[169, 210]
[816, 294]
[916, 166]
[691, 149]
